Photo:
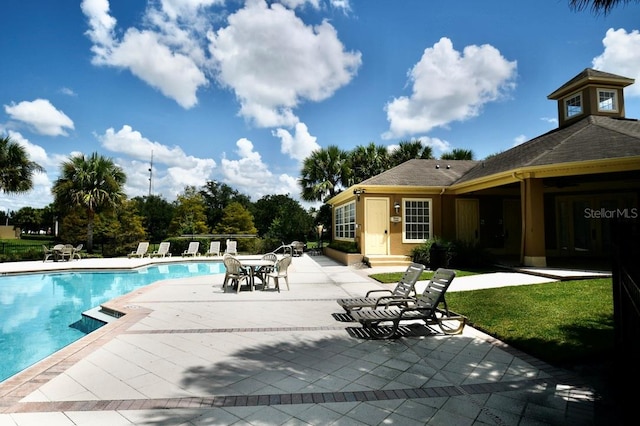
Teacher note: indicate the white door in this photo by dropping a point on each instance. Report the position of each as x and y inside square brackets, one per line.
[376, 232]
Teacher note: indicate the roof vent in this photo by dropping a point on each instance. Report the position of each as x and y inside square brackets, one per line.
[448, 166]
[437, 166]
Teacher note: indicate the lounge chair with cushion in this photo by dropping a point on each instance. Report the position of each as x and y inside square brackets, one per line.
[214, 249]
[192, 250]
[403, 290]
[141, 251]
[163, 250]
[425, 308]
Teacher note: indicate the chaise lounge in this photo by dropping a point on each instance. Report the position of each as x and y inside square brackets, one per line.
[424, 308]
[403, 290]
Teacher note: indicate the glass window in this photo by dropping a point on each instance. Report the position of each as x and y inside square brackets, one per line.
[417, 220]
[345, 228]
[573, 106]
[607, 100]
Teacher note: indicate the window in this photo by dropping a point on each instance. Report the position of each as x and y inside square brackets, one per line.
[417, 220]
[346, 222]
[573, 106]
[607, 100]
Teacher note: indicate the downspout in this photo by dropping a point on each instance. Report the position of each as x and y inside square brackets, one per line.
[441, 209]
[523, 199]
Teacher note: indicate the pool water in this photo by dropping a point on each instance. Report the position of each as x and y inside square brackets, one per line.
[38, 311]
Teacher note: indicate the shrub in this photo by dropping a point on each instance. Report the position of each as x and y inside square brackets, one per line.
[344, 246]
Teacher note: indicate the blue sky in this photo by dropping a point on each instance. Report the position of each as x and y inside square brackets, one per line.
[241, 92]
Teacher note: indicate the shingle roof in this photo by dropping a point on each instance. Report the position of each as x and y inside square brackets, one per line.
[592, 138]
[419, 172]
[589, 75]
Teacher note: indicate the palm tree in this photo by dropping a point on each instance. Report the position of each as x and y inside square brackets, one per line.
[94, 183]
[367, 161]
[408, 150]
[458, 154]
[324, 172]
[597, 6]
[16, 170]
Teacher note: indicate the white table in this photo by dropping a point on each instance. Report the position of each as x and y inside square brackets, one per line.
[254, 265]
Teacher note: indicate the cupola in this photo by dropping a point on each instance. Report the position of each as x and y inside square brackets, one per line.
[591, 92]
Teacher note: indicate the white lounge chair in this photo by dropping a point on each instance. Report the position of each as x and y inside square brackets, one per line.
[141, 251]
[214, 249]
[192, 250]
[163, 250]
[232, 247]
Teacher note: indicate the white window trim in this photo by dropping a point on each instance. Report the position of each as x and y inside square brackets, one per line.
[404, 220]
[335, 223]
[615, 100]
[566, 107]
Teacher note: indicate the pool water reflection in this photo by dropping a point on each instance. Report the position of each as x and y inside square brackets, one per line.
[37, 310]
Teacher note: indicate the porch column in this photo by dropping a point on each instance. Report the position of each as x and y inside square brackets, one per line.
[533, 247]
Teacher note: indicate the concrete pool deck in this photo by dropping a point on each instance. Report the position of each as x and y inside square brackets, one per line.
[185, 352]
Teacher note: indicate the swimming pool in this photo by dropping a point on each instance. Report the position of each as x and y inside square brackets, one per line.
[37, 311]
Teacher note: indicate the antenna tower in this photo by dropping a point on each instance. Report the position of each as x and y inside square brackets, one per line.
[150, 172]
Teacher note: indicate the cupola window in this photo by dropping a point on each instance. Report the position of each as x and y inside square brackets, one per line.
[607, 100]
[573, 105]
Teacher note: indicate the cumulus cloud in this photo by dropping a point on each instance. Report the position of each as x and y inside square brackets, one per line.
[265, 54]
[164, 57]
[299, 145]
[447, 86]
[273, 62]
[250, 175]
[520, 139]
[621, 56]
[172, 168]
[41, 117]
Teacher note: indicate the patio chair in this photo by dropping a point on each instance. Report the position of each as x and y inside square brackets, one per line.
[141, 251]
[76, 252]
[235, 273]
[66, 253]
[48, 253]
[403, 291]
[297, 248]
[163, 250]
[214, 249]
[232, 247]
[262, 271]
[279, 271]
[423, 308]
[192, 250]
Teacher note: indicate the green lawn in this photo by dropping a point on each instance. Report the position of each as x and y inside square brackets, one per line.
[563, 323]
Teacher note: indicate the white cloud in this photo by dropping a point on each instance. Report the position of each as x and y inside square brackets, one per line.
[447, 86]
[299, 145]
[621, 56]
[41, 117]
[520, 139]
[273, 62]
[172, 168]
[164, 58]
[251, 176]
[437, 145]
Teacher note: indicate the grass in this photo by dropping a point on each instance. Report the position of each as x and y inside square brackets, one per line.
[394, 277]
[564, 323]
